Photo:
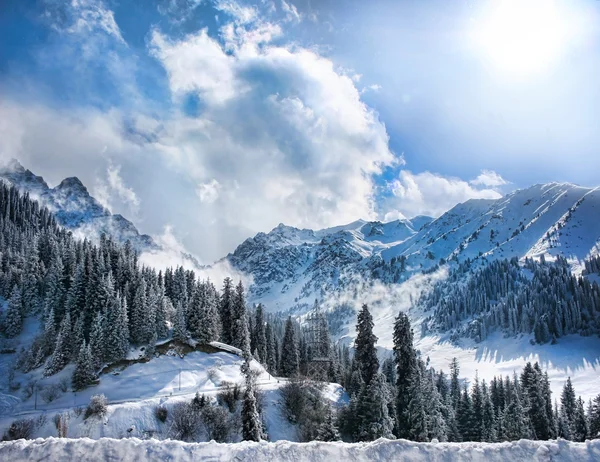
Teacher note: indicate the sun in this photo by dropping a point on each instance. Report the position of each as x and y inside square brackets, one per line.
[521, 37]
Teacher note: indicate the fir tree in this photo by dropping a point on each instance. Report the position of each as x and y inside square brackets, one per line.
[365, 353]
[259, 343]
[239, 328]
[13, 322]
[179, 327]
[226, 311]
[84, 374]
[406, 367]
[372, 411]
[594, 417]
[251, 424]
[62, 353]
[328, 430]
[289, 351]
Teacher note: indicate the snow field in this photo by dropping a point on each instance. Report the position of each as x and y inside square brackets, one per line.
[381, 450]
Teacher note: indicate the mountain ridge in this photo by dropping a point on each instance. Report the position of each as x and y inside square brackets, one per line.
[74, 207]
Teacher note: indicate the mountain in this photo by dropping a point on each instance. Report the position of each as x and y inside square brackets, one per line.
[291, 267]
[74, 207]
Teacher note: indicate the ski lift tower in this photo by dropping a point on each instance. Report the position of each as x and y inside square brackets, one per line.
[318, 344]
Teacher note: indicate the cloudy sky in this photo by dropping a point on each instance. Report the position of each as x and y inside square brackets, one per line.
[206, 121]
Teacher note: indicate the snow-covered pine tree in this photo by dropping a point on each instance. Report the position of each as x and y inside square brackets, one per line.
[226, 311]
[179, 328]
[251, 423]
[117, 334]
[406, 366]
[289, 364]
[579, 427]
[210, 328]
[328, 430]
[13, 322]
[365, 353]
[84, 374]
[97, 338]
[568, 405]
[239, 328]
[372, 412]
[271, 362]
[62, 351]
[259, 337]
[594, 417]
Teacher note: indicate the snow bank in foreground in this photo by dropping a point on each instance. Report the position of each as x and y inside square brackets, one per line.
[381, 450]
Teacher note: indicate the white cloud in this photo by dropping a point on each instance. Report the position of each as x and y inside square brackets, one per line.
[283, 135]
[240, 13]
[290, 11]
[431, 194]
[83, 17]
[489, 178]
[208, 192]
[117, 184]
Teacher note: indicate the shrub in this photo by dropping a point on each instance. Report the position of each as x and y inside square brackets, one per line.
[63, 384]
[216, 420]
[98, 406]
[20, 429]
[61, 422]
[161, 413]
[230, 395]
[305, 406]
[185, 422]
[50, 393]
[28, 389]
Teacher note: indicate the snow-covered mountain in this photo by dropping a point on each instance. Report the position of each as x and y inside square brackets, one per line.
[291, 267]
[74, 207]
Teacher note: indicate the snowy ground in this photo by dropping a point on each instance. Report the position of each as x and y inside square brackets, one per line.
[136, 391]
[380, 450]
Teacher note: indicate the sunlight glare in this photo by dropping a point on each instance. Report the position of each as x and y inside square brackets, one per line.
[521, 37]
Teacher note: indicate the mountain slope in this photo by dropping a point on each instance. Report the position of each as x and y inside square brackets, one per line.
[291, 267]
[74, 207]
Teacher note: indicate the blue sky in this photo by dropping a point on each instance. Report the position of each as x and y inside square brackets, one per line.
[208, 121]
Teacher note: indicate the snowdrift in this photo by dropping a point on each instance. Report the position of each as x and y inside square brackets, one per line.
[380, 450]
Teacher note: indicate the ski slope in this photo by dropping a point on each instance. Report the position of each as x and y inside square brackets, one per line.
[381, 450]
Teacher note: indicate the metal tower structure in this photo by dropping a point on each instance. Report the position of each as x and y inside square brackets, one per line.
[317, 344]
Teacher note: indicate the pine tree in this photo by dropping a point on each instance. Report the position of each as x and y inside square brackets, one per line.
[406, 368]
[328, 430]
[97, 339]
[594, 417]
[117, 335]
[289, 351]
[271, 350]
[179, 327]
[464, 416]
[226, 311]
[13, 323]
[568, 403]
[239, 328]
[372, 411]
[260, 337]
[251, 424]
[210, 328]
[84, 374]
[365, 353]
[62, 353]
[579, 426]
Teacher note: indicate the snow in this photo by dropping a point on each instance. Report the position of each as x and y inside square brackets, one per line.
[134, 392]
[573, 356]
[381, 450]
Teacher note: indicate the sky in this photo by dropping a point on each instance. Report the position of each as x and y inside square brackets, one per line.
[207, 121]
